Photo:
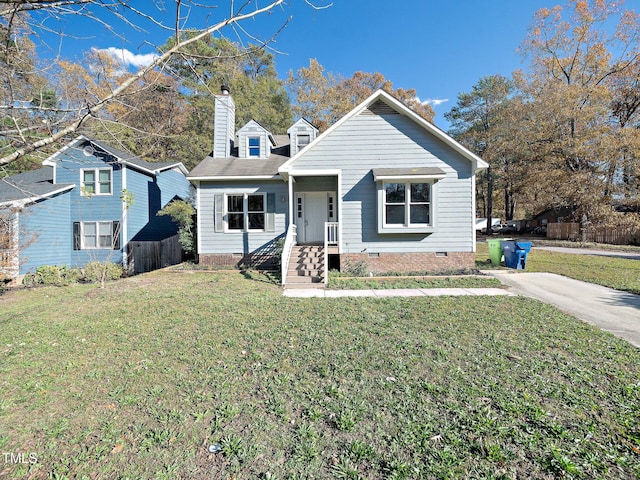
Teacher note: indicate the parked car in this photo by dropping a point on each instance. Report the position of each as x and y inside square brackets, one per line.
[503, 228]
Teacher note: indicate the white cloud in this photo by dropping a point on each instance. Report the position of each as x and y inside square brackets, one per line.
[127, 58]
[433, 101]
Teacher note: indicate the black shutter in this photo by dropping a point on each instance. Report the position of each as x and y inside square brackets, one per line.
[116, 235]
[76, 236]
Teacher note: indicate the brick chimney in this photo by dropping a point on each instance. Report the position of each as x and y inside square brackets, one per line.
[224, 124]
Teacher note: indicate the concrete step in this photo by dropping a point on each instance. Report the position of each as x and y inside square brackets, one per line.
[301, 286]
[304, 273]
[306, 265]
[299, 280]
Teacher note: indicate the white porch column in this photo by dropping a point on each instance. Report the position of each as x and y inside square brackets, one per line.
[291, 202]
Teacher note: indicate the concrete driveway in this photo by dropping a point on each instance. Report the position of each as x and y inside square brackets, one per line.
[612, 310]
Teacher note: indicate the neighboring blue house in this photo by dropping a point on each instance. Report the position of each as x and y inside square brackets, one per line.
[88, 202]
[381, 190]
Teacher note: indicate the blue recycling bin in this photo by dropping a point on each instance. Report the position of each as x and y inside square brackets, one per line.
[515, 254]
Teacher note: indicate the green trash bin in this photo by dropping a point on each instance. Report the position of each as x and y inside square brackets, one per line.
[495, 249]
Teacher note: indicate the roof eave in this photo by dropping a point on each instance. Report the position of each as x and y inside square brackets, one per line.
[233, 177]
[23, 201]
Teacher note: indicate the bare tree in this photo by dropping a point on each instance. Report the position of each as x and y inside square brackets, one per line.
[36, 114]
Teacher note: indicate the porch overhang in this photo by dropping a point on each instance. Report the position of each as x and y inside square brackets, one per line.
[320, 172]
[423, 173]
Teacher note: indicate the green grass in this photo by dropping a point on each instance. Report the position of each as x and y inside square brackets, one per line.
[470, 281]
[138, 379]
[619, 273]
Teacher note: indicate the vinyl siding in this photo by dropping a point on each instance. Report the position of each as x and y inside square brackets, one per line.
[238, 242]
[370, 141]
[93, 208]
[43, 234]
[151, 194]
[173, 184]
[137, 215]
[252, 129]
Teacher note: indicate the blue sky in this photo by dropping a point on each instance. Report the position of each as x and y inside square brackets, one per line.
[440, 48]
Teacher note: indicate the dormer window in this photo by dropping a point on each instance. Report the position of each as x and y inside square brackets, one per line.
[302, 141]
[301, 133]
[253, 146]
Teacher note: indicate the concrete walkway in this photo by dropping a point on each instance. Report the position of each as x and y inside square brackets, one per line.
[394, 292]
[612, 310]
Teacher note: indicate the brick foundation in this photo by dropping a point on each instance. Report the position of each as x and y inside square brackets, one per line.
[259, 261]
[409, 262]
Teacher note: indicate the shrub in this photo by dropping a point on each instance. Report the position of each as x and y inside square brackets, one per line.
[52, 275]
[356, 269]
[182, 212]
[100, 272]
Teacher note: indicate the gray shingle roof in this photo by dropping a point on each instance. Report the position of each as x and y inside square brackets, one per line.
[27, 185]
[238, 167]
[131, 159]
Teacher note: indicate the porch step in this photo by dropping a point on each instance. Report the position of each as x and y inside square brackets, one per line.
[301, 280]
[306, 267]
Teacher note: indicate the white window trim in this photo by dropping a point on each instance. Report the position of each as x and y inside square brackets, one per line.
[298, 137]
[408, 227]
[97, 182]
[249, 138]
[83, 246]
[245, 212]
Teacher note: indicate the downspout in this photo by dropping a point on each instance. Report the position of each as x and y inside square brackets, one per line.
[473, 209]
[198, 225]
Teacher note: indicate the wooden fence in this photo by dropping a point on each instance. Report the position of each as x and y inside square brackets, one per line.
[571, 231]
[149, 256]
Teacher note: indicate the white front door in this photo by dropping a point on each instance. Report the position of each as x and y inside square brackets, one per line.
[311, 214]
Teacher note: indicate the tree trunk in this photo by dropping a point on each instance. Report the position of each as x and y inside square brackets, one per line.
[489, 198]
[583, 228]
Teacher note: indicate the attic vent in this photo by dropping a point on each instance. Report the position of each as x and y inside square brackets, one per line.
[379, 108]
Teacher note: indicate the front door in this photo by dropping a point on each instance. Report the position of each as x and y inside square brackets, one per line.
[312, 213]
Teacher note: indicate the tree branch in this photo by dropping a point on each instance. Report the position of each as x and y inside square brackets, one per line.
[91, 110]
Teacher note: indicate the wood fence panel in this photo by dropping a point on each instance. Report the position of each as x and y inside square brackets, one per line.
[149, 256]
[563, 231]
[571, 231]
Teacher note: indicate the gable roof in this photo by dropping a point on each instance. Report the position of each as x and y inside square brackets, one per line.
[126, 158]
[303, 122]
[252, 123]
[391, 104]
[30, 186]
[236, 168]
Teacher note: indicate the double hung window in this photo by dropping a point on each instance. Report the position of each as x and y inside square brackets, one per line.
[246, 212]
[96, 181]
[302, 141]
[96, 235]
[407, 204]
[253, 146]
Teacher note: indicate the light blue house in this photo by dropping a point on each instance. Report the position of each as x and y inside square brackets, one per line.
[381, 190]
[89, 202]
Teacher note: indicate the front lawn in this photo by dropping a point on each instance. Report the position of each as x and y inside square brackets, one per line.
[137, 380]
[619, 273]
[462, 281]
